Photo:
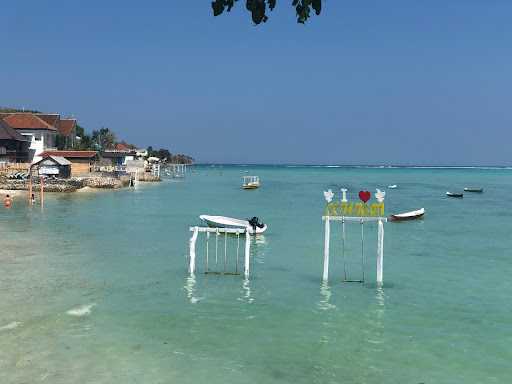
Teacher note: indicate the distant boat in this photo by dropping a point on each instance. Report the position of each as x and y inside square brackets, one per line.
[412, 215]
[230, 222]
[476, 190]
[251, 182]
[452, 194]
[392, 186]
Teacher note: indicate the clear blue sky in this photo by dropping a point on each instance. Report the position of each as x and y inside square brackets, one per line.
[399, 81]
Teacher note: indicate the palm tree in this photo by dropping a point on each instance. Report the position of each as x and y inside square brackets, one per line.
[104, 138]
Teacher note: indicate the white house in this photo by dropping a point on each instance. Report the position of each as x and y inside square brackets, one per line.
[140, 153]
[41, 134]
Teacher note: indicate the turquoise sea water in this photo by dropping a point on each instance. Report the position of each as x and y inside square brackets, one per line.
[95, 289]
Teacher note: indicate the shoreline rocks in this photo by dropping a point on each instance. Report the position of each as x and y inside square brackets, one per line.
[148, 177]
[106, 182]
[67, 185]
[72, 184]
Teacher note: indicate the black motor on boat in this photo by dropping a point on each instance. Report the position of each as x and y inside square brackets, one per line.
[255, 222]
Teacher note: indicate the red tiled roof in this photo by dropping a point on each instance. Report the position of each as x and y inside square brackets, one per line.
[8, 133]
[70, 154]
[24, 120]
[67, 126]
[50, 118]
[122, 147]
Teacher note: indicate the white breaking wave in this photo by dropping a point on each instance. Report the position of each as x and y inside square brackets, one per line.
[13, 325]
[83, 310]
[403, 167]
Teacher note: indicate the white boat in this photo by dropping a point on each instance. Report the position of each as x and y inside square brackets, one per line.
[392, 186]
[251, 182]
[230, 222]
[473, 189]
[408, 215]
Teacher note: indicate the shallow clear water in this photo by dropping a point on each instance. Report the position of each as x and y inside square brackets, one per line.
[95, 288]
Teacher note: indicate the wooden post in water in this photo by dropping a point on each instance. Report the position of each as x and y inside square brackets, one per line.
[327, 241]
[42, 191]
[380, 252]
[192, 265]
[30, 185]
[30, 188]
[247, 252]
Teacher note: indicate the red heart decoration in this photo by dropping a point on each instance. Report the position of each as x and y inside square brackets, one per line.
[365, 196]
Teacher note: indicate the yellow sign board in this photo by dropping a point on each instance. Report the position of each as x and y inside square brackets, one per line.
[362, 208]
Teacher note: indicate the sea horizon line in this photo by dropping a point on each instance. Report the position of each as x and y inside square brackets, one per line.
[372, 166]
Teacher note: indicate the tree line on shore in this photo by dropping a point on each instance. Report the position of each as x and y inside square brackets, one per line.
[105, 139]
[168, 157]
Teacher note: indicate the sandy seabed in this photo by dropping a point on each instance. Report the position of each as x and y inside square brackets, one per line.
[12, 193]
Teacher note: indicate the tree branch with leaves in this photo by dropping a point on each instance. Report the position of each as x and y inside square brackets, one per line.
[258, 8]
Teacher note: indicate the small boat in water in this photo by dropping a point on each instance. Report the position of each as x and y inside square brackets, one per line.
[253, 225]
[453, 194]
[412, 215]
[476, 190]
[251, 182]
[392, 186]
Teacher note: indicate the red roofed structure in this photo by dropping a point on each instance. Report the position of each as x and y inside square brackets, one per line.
[38, 132]
[67, 126]
[123, 147]
[27, 121]
[81, 161]
[45, 131]
[67, 129]
[13, 145]
[50, 118]
[71, 154]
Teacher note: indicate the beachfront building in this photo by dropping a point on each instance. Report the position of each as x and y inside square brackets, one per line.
[40, 134]
[51, 118]
[14, 147]
[82, 162]
[67, 131]
[54, 166]
[141, 153]
[124, 147]
[135, 166]
[117, 157]
[45, 131]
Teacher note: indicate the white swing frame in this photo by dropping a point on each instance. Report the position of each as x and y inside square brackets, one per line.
[218, 231]
[354, 219]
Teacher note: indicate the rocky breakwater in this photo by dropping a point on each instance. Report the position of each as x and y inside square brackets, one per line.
[50, 185]
[65, 185]
[148, 177]
[106, 182]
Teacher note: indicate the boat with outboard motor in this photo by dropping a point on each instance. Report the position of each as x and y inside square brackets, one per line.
[253, 225]
[250, 182]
